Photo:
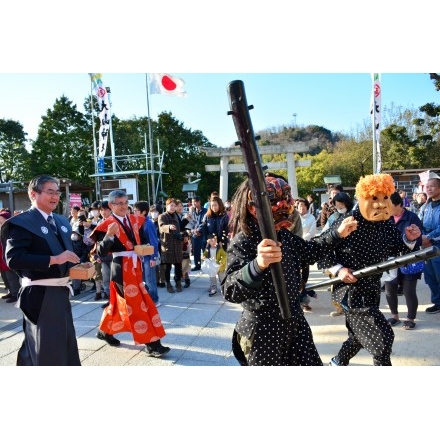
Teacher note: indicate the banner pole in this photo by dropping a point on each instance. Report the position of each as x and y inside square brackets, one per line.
[150, 140]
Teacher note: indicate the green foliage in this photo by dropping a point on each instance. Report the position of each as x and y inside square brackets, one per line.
[180, 146]
[64, 144]
[413, 141]
[312, 177]
[14, 158]
[351, 160]
[435, 77]
[287, 135]
[130, 139]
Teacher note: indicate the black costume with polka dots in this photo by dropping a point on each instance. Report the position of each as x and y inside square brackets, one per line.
[271, 339]
[371, 243]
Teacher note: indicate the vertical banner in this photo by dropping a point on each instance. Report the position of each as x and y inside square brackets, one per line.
[376, 97]
[104, 116]
[74, 199]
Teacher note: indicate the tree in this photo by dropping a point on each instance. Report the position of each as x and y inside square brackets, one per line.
[435, 77]
[64, 144]
[288, 134]
[351, 160]
[14, 158]
[411, 140]
[312, 177]
[131, 142]
[180, 146]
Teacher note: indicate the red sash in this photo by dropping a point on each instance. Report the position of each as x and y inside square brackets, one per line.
[135, 312]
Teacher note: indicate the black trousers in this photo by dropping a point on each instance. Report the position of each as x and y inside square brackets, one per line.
[51, 340]
[369, 329]
[177, 272]
[410, 293]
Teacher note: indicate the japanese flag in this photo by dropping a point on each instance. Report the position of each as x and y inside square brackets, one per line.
[167, 85]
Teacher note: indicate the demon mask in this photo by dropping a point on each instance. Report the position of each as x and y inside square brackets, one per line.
[281, 202]
[373, 194]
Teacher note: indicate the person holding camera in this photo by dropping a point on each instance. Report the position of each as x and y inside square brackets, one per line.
[171, 243]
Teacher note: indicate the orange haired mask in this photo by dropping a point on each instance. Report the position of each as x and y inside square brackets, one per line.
[373, 193]
[280, 197]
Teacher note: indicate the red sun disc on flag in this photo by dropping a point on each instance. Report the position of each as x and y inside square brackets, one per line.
[101, 92]
[168, 83]
[376, 90]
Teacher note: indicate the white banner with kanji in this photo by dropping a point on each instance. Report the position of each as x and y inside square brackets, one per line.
[104, 112]
[376, 96]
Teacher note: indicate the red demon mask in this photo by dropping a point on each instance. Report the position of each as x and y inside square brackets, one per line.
[281, 202]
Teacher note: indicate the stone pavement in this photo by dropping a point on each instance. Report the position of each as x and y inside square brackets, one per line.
[199, 330]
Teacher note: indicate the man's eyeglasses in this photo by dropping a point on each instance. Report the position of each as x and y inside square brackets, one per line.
[121, 203]
[52, 193]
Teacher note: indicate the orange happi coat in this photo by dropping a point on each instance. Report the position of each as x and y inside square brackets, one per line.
[134, 312]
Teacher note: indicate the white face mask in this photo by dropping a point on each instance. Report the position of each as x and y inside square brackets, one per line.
[155, 214]
[95, 213]
[342, 211]
[74, 237]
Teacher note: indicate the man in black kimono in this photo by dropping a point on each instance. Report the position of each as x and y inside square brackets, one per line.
[375, 240]
[262, 336]
[38, 247]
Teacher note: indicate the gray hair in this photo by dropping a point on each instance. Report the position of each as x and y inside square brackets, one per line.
[38, 182]
[116, 194]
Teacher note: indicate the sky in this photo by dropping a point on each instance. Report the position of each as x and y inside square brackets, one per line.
[336, 101]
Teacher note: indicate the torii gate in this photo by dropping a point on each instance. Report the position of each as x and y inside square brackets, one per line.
[290, 164]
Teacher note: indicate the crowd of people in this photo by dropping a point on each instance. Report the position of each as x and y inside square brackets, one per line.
[113, 236]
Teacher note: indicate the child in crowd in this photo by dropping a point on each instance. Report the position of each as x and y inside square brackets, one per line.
[186, 262]
[216, 253]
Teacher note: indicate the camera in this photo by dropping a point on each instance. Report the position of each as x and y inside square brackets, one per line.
[82, 218]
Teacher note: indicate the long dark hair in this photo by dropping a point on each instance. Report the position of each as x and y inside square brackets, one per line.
[240, 214]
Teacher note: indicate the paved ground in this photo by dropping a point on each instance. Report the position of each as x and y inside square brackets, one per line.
[199, 330]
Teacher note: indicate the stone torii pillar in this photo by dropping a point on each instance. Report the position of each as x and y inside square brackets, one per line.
[289, 150]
